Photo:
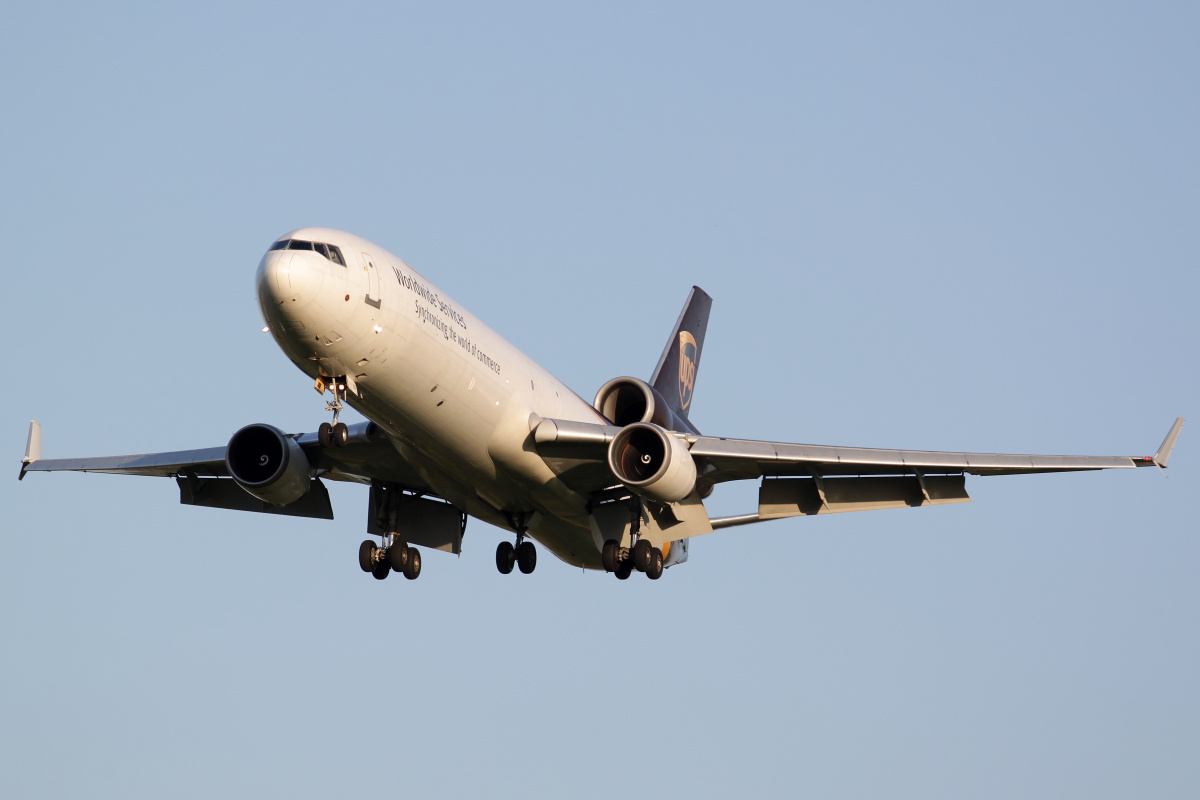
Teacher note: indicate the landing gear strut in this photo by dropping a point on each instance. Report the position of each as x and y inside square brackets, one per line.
[394, 556]
[522, 554]
[334, 434]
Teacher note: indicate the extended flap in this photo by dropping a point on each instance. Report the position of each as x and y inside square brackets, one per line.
[790, 497]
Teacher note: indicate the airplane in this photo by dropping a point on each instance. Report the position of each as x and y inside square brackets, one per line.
[460, 423]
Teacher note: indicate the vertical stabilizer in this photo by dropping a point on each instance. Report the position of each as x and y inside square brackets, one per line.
[675, 375]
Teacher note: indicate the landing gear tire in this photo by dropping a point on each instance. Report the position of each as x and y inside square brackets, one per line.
[412, 563]
[655, 570]
[339, 434]
[506, 556]
[381, 570]
[366, 556]
[398, 555]
[624, 570]
[641, 555]
[526, 557]
[609, 555]
[324, 434]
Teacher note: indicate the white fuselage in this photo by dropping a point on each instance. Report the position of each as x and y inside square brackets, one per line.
[455, 397]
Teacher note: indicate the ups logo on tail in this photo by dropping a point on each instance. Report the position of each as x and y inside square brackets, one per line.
[687, 368]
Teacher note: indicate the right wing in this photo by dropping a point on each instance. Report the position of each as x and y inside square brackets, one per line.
[204, 479]
[367, 456]
[207, 462]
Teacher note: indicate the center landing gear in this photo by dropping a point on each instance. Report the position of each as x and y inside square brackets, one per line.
[393, 556]
[523, 554]
[334, 434]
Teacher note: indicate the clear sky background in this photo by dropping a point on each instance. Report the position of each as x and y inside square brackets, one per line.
[924, 226]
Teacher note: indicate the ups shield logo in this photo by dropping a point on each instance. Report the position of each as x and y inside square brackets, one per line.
[687, 369]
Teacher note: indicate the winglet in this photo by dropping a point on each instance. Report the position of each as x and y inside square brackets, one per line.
[1164, 450]
[33, 447]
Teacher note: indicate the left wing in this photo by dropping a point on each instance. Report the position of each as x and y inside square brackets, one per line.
[737, 459]
[731, 459]
[811, 479]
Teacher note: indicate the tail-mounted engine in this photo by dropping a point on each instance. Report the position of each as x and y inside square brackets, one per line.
[628, 400]
[268, 464]
[652, 462]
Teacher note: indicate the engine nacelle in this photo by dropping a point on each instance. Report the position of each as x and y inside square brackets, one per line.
[629, 400]
[652, 462]
[268, 464]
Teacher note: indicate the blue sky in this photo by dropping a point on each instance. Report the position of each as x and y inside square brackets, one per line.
[924, 226]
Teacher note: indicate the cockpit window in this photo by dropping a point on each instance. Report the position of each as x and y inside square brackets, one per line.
[330, 251]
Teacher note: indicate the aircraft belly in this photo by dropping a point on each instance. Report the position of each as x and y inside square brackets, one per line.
[446, 450]
[570, 543]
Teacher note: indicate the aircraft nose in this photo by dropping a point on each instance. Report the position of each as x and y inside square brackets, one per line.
[273, 280]
[288, 279]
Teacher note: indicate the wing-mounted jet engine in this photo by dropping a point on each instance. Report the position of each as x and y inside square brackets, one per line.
[652, 462]
[268, 464]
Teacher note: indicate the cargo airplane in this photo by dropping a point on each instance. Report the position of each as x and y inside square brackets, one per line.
[462, 424]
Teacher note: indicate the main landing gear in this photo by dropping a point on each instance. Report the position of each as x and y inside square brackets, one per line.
[643, 556]
[333, 434]
[393, 556]
[523, 554]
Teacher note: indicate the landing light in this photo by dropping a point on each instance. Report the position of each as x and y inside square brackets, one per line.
[266, 329]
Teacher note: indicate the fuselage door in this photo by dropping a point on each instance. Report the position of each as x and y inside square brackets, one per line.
[372, 298]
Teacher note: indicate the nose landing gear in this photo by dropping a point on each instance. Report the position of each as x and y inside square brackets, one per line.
[334, 434]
